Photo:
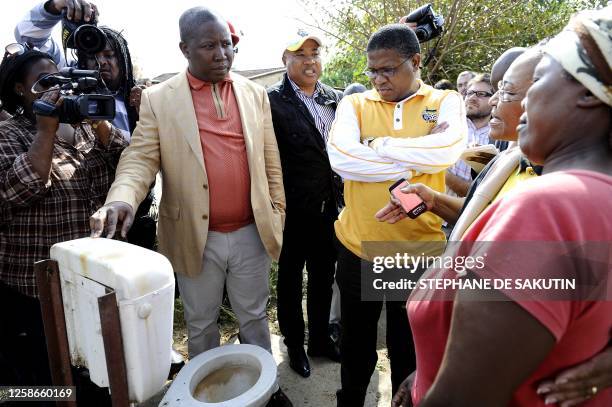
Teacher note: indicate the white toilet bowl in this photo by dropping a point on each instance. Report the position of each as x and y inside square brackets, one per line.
[227, 376]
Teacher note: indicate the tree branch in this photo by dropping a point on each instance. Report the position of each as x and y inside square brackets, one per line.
[331, 34]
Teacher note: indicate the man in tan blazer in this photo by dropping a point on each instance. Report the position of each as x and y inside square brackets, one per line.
[210, 133]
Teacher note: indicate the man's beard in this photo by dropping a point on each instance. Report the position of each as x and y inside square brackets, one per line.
[479, 114]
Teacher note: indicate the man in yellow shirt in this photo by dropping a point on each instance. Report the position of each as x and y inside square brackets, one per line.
[379, 137]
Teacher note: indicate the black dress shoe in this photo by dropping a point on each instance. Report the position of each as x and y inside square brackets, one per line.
[298, 361]
[330, 351]
[334, 332]
[279, 399]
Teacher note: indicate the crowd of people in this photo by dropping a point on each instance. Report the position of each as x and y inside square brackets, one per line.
[300, 173]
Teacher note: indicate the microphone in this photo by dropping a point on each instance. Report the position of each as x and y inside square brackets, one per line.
[79, 73]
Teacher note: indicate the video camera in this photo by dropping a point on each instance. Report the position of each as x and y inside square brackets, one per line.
[429, 24]
[76, 87]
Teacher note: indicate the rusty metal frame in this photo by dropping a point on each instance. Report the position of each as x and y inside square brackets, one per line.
[54, 321]
[113, 349]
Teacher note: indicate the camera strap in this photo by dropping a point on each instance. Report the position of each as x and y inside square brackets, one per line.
[432, 52]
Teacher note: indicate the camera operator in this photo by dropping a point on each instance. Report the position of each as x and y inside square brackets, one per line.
[114, 60]
[115, 66]
[50, 181]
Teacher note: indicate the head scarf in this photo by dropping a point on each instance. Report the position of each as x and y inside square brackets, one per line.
[584, 49]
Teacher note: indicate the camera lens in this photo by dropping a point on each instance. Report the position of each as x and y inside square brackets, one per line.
[89, 39]
[423, 33]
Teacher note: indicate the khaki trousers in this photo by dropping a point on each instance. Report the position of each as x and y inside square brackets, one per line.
[238, 261]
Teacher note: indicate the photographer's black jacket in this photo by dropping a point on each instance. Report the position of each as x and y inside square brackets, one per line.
[310, 183]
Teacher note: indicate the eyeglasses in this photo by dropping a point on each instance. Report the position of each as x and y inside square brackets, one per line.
[478, 93]
[506, 96]
[386, 72]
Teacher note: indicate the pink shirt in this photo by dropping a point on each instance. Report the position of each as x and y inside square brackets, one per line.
[572, 206]
[225, 156]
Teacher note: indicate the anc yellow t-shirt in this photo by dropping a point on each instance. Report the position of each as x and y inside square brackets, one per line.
[515, 179]
[357, 223]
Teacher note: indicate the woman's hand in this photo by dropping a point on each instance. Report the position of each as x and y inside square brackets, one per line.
[41, 150]
[393, 211]
[579, 383]
[102, 130]
[402, 397]
[48, 125]
[427, 194]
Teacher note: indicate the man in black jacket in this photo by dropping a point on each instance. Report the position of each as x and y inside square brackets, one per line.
[303, 110]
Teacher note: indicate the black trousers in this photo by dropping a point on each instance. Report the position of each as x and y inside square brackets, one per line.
[23, 348]
[308, 239]
[143, 232]
[23, 352]
[359, 332]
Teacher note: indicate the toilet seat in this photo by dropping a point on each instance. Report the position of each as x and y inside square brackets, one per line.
[180, 393]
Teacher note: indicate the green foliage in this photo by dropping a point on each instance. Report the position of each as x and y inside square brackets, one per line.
[476, 31]
[345, 69]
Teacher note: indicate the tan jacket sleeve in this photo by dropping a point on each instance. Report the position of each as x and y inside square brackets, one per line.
[140, 161]
[272, 159]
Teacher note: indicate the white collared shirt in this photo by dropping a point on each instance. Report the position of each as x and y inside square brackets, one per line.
[391, 158]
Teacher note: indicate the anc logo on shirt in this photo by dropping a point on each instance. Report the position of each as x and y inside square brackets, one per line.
[430, 115]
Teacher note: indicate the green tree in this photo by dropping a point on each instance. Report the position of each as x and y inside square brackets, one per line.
[476, 32]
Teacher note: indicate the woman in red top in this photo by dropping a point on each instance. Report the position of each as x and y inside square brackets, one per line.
[473, 353]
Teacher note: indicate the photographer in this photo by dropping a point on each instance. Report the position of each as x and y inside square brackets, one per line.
[115, 66]
[51, 178]
[114, 60]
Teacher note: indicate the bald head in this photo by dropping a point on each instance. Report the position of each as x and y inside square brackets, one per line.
[354, 88]
[502, 64]
[207, 44]
[193, 18]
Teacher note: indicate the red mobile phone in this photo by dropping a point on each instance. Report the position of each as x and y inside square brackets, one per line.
[412, 204]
